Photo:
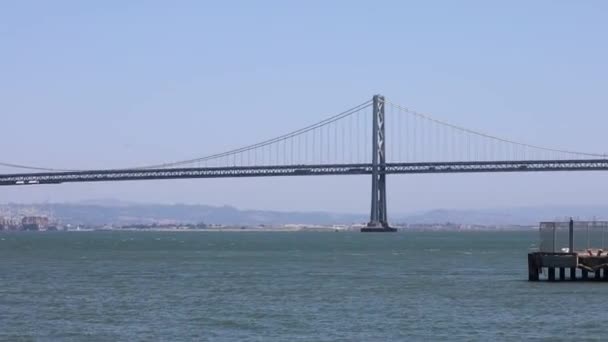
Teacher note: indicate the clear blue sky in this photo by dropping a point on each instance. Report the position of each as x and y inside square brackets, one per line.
[111, 83]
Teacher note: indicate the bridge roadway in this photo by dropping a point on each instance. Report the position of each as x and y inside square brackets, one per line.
[301, 170]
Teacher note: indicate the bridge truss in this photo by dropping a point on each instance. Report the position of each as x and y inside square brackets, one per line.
[300, 170]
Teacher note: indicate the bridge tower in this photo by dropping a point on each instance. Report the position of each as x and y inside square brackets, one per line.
[378, 221]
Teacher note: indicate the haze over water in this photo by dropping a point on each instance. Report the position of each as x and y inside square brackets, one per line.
[182, 286]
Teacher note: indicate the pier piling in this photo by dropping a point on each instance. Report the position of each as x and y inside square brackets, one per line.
[551, 274]
[532, 268]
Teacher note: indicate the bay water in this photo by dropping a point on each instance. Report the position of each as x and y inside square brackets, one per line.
[286, 286]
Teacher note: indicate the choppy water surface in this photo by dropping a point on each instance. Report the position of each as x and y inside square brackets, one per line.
[182, 286]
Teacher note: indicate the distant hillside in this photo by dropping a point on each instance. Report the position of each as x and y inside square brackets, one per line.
[95, 213]
[116, 212]
[506, 216]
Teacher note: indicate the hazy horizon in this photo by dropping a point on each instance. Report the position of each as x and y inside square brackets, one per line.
[113, 202]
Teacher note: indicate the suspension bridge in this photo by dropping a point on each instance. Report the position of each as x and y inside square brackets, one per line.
[401, 141]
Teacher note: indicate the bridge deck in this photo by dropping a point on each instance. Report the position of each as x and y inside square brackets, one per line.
[301, 170]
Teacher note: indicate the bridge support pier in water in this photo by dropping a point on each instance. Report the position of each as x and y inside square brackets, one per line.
[378, 221]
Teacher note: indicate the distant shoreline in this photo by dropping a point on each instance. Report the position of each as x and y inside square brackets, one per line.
[277, 230]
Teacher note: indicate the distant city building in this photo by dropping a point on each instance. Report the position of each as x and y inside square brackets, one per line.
[34, 223]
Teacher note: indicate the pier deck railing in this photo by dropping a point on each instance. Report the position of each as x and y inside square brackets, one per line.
[586, 235]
